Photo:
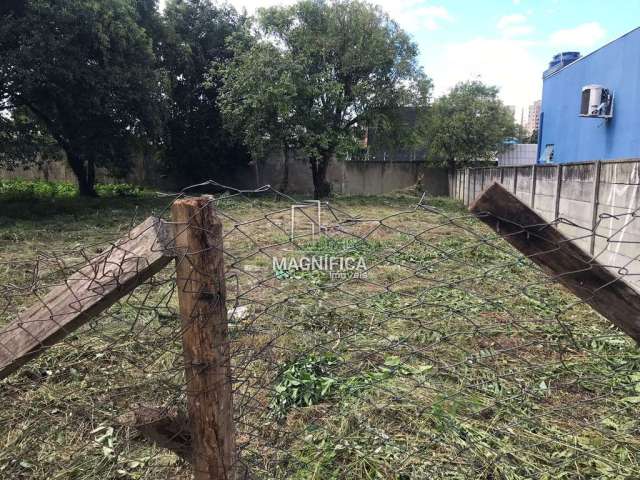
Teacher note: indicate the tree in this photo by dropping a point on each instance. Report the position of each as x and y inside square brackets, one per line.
[314, 76]
[23, 142]
[194, 36]
[258, 108]
[16, 7]
[84, 72]
[469, 124]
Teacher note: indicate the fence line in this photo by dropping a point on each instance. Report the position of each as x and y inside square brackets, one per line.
[419, 345]
[589, 197]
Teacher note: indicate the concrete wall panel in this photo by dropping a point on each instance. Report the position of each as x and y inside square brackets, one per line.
[349, 178]
[617, 241]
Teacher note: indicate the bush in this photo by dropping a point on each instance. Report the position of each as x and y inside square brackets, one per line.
[119, 190]
[28, 189]
[19, 189]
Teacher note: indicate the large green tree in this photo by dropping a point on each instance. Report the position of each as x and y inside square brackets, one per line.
[84, 71]
[311, 77]
[23, 141]
[194, 39]
[468, 125]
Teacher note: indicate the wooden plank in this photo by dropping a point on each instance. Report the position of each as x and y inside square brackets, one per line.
[92, 289]
[560, 258]
[202, 293]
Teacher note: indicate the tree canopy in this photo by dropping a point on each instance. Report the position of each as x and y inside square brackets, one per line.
[205, 87]
[467, 125]
[314, 75]
[194, 39]
[83, 72]
[23, 141]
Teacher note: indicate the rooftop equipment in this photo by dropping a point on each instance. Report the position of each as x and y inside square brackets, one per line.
[560, 60]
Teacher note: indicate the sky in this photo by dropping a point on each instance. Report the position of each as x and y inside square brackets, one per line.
[507, 43]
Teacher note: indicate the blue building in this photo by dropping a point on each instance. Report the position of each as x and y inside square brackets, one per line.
[591, 104]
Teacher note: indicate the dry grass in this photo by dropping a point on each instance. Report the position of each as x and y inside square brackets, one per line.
[441, 364]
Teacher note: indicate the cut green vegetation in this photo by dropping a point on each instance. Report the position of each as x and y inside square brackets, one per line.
[453, 358]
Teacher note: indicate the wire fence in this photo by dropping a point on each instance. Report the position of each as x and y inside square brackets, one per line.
[396, 338]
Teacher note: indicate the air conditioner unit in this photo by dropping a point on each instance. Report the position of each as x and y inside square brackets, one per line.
[597, 101]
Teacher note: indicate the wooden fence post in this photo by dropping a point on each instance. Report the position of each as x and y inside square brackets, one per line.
[202, 295]
[598, 285]
[84, 294]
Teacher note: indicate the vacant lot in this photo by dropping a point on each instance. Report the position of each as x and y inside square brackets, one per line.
[451, 358]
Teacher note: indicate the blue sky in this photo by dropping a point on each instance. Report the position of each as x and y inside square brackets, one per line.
[507, 43]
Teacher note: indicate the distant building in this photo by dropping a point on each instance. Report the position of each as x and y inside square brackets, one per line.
[591, 104]
[533, 117]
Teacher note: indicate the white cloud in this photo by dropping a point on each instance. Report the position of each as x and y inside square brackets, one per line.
[582, 36]
[250, 5]
[253, 5]
[416, 15]
[411, 15]
[514, 25]
[432, 17]
[507, 21]
[507, 63]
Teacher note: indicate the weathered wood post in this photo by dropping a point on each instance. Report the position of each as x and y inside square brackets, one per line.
[202, 294]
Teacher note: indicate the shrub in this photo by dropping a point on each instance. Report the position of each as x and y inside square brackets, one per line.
[28, 189]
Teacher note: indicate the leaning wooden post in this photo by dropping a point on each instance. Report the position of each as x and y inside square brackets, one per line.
[598, 285]
[202, 294]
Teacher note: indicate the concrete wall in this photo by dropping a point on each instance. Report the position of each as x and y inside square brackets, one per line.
[357, 177]
[348, 178]
[596, 204]
[145, 171]
[616, 66]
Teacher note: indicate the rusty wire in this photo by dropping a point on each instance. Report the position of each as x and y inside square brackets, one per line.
[450, 355]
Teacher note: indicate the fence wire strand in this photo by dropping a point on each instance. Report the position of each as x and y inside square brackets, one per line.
[396, 338]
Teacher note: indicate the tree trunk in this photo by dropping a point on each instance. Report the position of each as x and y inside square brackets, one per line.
[85, 174]
[91, 177]
[284, 184]
[319, 166]
[451, 165]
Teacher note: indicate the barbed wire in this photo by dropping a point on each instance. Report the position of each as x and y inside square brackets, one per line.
[396, 337]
